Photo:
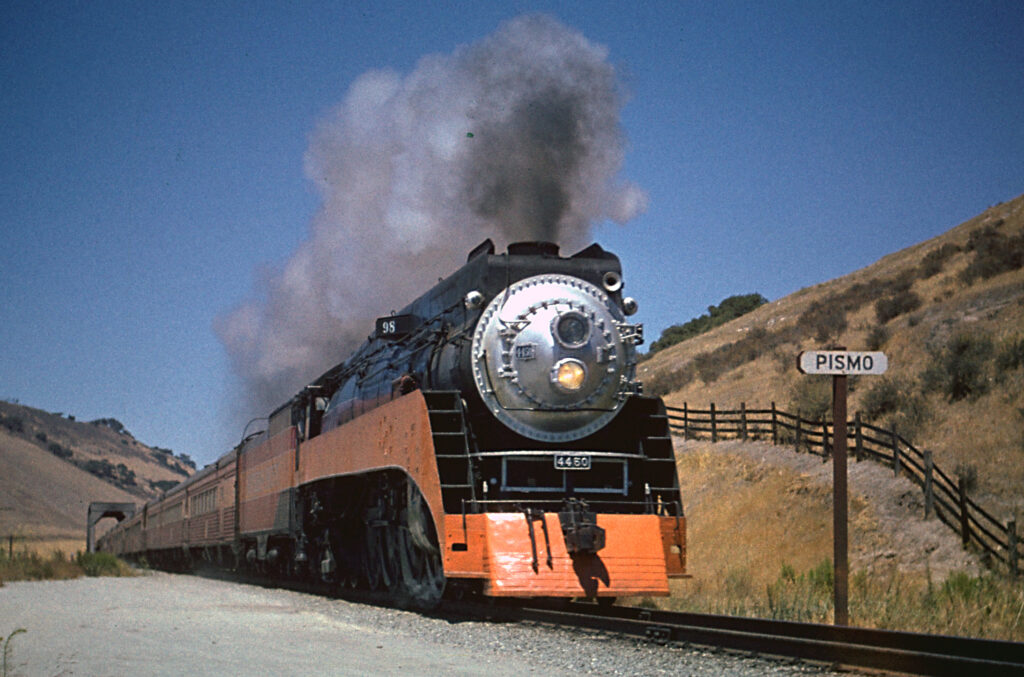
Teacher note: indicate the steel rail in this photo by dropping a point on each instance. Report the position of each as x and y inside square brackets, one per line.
[888, 650]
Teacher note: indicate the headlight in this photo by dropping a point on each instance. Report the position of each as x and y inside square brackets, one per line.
[571, 329]
[569, 375]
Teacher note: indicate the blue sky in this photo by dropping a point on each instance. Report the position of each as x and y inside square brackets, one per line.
[151, 163]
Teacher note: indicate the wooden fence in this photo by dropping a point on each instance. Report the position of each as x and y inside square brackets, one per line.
[942, 495]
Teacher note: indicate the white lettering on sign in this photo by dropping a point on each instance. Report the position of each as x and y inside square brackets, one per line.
[842, 362]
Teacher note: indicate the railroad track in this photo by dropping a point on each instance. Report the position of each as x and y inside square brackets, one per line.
[843, 647]
[888, 650]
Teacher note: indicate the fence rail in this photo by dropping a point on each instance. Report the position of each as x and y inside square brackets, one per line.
[946, 498]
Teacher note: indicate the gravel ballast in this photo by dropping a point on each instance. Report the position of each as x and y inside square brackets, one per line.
[163, 624]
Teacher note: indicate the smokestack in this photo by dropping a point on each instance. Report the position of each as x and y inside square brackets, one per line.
[514, 137]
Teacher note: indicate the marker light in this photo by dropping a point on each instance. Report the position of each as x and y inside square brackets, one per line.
[569, 375]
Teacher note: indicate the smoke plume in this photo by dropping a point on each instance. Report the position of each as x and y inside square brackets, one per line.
[515, 137]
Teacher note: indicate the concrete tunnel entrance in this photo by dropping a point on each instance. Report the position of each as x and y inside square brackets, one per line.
[99, 510]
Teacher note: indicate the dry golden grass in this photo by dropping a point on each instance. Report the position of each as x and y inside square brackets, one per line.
[759, 532]
[58, 565]
[41, 546]
[30, 566]
[751, 508]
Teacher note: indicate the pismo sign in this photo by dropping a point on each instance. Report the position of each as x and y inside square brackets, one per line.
[842, 362]
[839, 364]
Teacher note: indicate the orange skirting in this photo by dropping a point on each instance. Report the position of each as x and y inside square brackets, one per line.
[497, 548]
[394, 435]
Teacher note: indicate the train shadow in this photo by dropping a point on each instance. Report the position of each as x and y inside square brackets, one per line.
[590, 571]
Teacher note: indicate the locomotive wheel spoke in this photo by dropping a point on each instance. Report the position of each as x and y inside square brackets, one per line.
[383, 551]
[372, 568]
[421, 557]
[407, 555]
[392, 559]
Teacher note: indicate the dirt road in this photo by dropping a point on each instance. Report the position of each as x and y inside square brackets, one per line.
[160, 624]
[164, 624]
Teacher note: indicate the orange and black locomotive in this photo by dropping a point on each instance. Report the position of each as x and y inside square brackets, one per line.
[491, 436]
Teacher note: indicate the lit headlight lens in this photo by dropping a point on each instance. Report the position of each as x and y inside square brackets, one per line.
[569, 375]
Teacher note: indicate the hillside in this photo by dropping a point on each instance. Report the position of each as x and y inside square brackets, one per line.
[949, 313]
[52, 467]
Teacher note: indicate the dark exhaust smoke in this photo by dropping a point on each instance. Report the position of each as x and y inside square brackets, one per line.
[515, 137]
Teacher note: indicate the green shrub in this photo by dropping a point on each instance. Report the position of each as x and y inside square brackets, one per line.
[894, 404]
[801, 597]
[822, 577]
[911, 416]
[29, 566]
[1010, 355]
[111, 423]
[125, 476]
[725, 358]
[729, 309]
[935, 260]
[710, 365]
[961, 369]
[102, 564]
[994, 253]
[878, 336]
[13, 423]
[101, 468]
[889, 307]
[811, 397]
[58, 450]
[983, 606]
[882, 398]
[824, 320]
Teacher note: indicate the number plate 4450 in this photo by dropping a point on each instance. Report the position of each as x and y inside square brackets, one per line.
[572, 461]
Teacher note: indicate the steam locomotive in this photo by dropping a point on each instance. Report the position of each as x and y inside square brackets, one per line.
[490, 437]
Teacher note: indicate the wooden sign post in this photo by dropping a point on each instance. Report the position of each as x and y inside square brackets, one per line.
[840, 363]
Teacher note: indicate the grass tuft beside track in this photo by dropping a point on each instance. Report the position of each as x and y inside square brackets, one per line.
[31, 566]
[988, 605]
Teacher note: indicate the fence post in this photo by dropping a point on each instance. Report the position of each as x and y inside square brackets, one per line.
[686, 422]
[858, 433]
[824, 439]
[10, 546]
[775, 426]
[895, 453]
[965, 528]
[929, 496]
[799, 432]
[743, 420]
[1011, 542]
[714, 424]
